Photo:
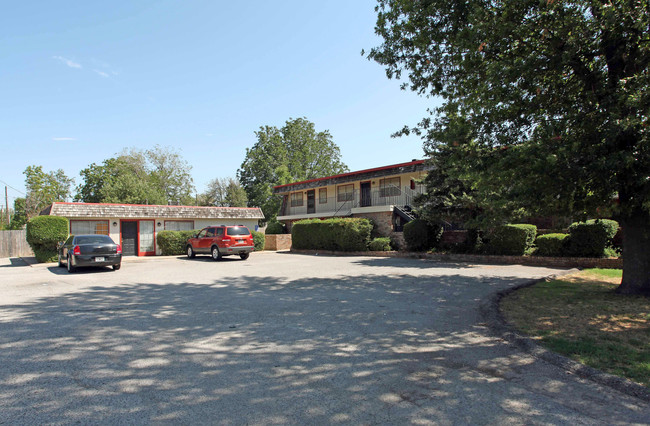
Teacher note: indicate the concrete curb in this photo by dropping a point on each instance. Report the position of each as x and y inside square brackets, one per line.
[489, 310]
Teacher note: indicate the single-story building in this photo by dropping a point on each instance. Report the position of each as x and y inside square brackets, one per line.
[383, 194]
[135, 227]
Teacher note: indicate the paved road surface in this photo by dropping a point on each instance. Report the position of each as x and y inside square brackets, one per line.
[277, 339]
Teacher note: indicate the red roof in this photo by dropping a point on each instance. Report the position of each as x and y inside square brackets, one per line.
[149, 205]
[376, 169]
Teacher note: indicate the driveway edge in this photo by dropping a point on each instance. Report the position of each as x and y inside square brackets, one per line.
[491, 314]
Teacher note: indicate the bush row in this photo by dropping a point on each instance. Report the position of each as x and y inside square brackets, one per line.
[173, 243]
[336, 234]
[592, 238]
[44, 234]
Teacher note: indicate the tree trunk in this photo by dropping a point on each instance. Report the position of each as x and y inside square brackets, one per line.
[636, 254]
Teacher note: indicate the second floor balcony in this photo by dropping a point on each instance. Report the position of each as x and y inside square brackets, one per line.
[344, 204]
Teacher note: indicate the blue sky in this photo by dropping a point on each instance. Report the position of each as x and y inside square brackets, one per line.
[82, 80]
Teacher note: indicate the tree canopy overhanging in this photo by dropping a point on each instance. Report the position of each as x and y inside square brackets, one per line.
[545, 105]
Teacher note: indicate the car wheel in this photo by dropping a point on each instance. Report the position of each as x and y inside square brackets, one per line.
[190, 252]
[71, 268]
[244, 256]
[117, 267]
[60, 262]
[216, 255]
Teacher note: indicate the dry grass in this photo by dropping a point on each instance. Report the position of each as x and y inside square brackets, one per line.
[581, 317]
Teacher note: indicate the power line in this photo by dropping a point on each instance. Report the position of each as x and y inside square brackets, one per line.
[9, 186]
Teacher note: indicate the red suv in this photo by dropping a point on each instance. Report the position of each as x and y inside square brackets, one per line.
[221, 241]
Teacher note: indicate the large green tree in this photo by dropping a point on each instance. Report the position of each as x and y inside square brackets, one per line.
[44, 188]
[19, 217]
[293, 153]
[555, 94]
[225, 192]
[156, 176]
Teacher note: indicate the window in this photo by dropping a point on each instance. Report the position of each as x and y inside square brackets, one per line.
[389, 187]
[238, 230]
[179, 225]
[296, 199]
[78, 227]
[345, 193]
[322, 196]
[99, 239]
[146, 236]
[210, 232]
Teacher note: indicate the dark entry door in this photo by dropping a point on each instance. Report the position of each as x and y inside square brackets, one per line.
[129, 238]
[311, 201]
[365, 194]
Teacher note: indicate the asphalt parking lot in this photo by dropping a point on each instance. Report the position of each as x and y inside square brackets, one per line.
[278, 339]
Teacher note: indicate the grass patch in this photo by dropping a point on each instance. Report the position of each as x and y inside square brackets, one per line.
[609, 273]
[582, 318]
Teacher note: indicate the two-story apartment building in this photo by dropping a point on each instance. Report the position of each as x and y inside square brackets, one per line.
[383, 194]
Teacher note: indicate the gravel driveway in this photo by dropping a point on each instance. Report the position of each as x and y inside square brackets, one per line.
[278, 339]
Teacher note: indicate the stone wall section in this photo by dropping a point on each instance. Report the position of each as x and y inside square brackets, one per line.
[275, 242]
[383, 221]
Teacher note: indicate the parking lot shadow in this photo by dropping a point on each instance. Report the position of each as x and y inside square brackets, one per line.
[254, 349]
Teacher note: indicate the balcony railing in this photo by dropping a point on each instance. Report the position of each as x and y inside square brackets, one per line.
[334, 206]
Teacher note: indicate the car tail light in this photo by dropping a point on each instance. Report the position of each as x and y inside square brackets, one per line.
[76, 250]
[119, 249]
[225, 239]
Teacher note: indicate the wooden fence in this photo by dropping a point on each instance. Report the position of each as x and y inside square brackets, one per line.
[14, 244]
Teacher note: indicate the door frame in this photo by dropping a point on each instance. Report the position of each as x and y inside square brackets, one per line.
[137, 234]
[313, 199]
[147, 253]
[361, 203]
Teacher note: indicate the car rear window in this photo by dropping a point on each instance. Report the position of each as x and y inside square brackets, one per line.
[94, 239]
[238, 230]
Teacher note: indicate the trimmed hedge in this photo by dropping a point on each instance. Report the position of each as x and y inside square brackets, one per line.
[551, 245]
[422, 236]
[173, 243]
[512, 240]
[380, 244]
[591, 238]
[336, 234]
[275, 228]
[258, 240]
[44, 233]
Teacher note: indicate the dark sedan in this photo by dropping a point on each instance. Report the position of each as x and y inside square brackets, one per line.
[90, 250]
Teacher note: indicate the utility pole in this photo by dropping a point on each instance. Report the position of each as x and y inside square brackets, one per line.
[7, 204]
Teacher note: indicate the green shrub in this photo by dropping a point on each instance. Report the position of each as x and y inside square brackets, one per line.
[337, 234]
[258, 240]
[512, 240]
[421, 235]
[550, 245]
[44, 233]
[380, 244]
[173, 243]
[275, 227]
[591, 238]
